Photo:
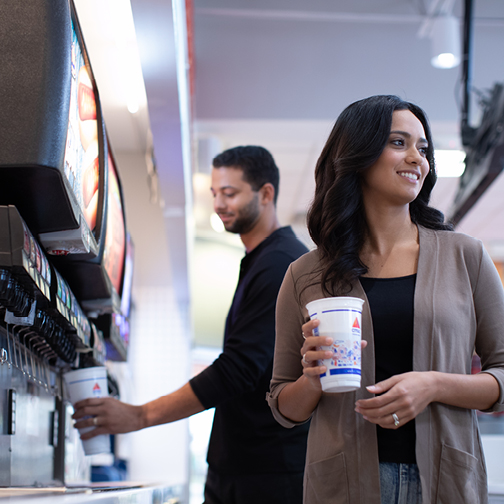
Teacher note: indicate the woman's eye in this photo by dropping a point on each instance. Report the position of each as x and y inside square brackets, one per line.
[423, 150]
[397, 141]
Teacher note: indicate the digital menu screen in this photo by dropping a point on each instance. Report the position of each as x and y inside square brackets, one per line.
[82, 148]
[128, 278]
[115, 239]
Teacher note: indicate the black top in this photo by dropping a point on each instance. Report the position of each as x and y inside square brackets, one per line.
[391, 301]
[245, 438]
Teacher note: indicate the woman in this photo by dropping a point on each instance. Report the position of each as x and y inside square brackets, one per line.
[432, 297]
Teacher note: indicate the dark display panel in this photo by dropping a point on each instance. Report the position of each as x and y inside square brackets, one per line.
[52, 165]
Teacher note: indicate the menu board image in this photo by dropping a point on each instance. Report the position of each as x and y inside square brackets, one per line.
[82, 147]
[127, 278]
[115, 240]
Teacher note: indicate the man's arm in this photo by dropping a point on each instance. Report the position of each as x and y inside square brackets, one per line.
[249, 346]
[246, 355]
[115, 417]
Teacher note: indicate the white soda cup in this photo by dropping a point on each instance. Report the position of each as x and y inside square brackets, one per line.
[340, 319]
[87, 383]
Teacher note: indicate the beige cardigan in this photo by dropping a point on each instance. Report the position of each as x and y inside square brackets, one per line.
[459, 307]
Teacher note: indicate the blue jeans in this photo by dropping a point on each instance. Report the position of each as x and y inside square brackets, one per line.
[400, 484]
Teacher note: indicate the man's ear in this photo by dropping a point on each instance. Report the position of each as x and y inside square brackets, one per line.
[267, 193]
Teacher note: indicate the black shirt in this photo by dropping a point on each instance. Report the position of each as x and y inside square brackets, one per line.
[391, 301]
[245, 438]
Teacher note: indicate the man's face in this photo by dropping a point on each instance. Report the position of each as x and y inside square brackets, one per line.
[235, 202]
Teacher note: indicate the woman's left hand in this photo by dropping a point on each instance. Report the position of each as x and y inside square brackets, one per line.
[398, 400]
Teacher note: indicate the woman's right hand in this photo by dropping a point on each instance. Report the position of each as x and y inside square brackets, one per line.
[311, 353]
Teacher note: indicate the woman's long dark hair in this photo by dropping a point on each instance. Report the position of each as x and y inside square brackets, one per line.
[336, 219]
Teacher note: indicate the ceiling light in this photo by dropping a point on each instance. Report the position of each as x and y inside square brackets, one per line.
[216, 223]
[445, 40]
[111, 38]
[132, 106]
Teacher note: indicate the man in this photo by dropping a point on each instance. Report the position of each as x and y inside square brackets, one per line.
[251, 457]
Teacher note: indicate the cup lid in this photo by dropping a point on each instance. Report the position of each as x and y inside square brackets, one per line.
[335, 303]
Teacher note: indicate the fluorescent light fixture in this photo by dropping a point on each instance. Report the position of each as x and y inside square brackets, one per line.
[201, 184]
[132, 106]
[449, 163]
[109, 31]
[445, 60]
[445, 40]
[216, 223]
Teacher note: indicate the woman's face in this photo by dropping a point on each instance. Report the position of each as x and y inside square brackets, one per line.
[399, 173]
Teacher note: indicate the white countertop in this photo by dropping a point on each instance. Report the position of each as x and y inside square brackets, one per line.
[99, 493]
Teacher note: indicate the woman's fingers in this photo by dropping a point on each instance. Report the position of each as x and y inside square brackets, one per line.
[313, 358]
[383, 414]
[391, 420]
[308, 327]
[311, 351]
[314, 371]
[315, 342]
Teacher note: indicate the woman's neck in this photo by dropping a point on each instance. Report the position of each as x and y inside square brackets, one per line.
[391, 245]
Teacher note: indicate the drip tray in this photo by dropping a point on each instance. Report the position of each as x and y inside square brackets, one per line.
[103, 487]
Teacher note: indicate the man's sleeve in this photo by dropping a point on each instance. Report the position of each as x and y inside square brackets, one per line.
[248, 350]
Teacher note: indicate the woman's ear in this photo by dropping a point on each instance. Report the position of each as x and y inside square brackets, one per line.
[267, 193]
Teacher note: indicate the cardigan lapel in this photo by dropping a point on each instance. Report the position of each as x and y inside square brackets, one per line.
[368, 357]
[422, 345]
[424, 299]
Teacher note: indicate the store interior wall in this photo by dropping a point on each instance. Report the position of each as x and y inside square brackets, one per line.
[159, 353]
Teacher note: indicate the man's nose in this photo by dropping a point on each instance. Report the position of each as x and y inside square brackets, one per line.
[218, 202]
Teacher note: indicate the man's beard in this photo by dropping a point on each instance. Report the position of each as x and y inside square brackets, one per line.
[246, 218]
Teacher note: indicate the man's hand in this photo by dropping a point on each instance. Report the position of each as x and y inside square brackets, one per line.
[108, 415]
[111, 416]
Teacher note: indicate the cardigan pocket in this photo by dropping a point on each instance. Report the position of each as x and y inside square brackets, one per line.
[327, 481]
[458, 477]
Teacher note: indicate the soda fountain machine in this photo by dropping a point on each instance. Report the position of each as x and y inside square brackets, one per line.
[65, 262]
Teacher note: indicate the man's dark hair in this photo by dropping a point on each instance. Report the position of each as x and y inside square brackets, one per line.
[257, 164]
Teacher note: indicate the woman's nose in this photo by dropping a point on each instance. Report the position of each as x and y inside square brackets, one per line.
[415, 157]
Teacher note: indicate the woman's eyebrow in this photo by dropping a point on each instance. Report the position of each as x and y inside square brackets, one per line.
[408, 135]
